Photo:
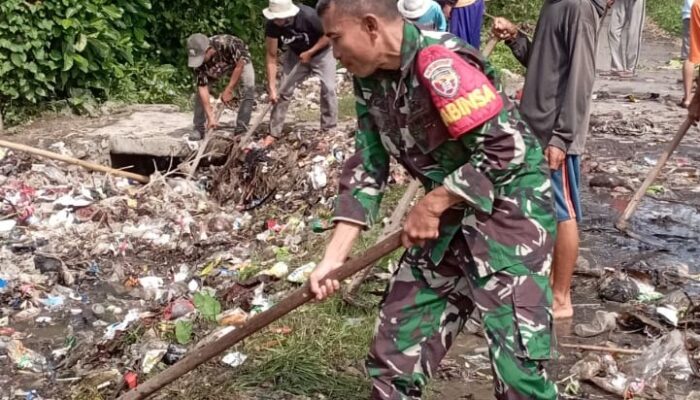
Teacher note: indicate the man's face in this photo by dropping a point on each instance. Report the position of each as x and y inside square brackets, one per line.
[283, 21]
[354, 45]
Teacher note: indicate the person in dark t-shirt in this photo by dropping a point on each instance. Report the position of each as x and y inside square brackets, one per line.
[298, 30]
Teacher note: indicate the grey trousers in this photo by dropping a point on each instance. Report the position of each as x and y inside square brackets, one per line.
[625, 34]
[246, 89]
[323, 65]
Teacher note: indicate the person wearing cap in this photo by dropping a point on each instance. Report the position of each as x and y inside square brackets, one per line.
[426, 14]
[298, 28]
[213, 58]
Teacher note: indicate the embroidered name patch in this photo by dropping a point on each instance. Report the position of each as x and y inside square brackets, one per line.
[443, 78]
[463, 95]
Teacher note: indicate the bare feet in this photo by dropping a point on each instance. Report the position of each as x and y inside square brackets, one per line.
[561, 307]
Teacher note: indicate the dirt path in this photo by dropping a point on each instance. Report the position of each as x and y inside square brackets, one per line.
[631, 121]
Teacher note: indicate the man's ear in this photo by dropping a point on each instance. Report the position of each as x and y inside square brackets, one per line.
[370, 24]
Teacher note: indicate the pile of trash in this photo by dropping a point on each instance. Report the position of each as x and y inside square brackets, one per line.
[104, 281]
[658, 301]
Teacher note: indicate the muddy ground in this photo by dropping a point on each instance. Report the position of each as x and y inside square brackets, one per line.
[632, 122]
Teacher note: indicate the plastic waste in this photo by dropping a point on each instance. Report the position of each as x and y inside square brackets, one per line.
[7, 225]
[152, 285]
[193, 286]
[667, 354]
[112, 330]
[182, 274]
[174, 354]
[236, 317]
[318, 177]
[260, 303]
[177, 309]
[151, 354]
[602, 322]
[669, 314]
[53, 302]
[234, 359]
[301, 274]
[131, 379]
[279, 270]
[25, 358]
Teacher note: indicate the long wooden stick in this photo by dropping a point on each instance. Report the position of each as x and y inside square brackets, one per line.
[621, 223]
[600, 348]
[74, 161]
[205, 143]
[393, 225]
[259, 321]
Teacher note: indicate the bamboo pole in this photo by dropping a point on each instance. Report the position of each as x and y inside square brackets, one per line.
[74, 161]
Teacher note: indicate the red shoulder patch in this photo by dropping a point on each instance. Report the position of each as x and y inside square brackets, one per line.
[463, 95]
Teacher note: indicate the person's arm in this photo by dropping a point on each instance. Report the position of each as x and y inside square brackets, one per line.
[322, 43]
[362, 184]
[315, 24]
[271, 67]
[518, 43]
[337, 251]
[227, 95]
[440, 21]
[203, 93]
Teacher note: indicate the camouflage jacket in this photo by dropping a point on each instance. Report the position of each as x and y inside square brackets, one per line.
[230, 50]
[498, 168]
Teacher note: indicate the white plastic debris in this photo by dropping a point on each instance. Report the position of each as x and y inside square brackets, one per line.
[193, 286]
[130, 317]
[669, 313]
[279, 270]
[234, 359]
[152, 285]
[7, 225]
[301, 274]
[182, 275]
[318, 177]
[152, 352]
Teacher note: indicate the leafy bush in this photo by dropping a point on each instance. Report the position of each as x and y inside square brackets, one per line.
[48, 48]
[667, 14]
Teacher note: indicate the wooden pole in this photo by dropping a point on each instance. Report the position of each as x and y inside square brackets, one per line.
[600, 348]
[205, 143]
[259, 321]
[74, 161]
[621, 223]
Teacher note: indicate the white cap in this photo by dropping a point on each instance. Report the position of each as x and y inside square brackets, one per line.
[413, 9]
[280, 9]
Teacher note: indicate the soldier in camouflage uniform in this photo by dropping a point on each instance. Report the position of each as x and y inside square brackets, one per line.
[213, 58]
[483, 234]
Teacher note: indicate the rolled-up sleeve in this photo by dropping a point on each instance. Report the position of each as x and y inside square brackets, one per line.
[365, 174]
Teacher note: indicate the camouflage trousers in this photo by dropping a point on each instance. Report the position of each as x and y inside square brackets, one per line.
[427, 305]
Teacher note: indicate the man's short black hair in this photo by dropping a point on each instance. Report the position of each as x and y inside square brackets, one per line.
[386, 9]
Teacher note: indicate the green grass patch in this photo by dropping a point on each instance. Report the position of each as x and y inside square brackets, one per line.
[346, 106]
[323, 354]
[667, 15]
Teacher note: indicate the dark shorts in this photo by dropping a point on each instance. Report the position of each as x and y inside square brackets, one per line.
[565, 183]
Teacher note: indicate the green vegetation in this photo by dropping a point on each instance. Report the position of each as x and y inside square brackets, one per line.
[667, 14]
